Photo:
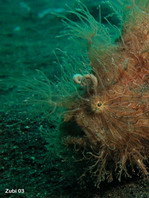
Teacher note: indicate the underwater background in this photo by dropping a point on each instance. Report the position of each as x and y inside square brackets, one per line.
[33, 43]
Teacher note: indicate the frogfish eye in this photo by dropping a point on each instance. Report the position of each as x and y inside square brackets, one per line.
[97, 105]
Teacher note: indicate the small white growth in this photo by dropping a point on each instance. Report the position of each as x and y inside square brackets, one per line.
[79, 79]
